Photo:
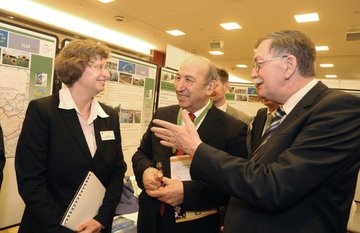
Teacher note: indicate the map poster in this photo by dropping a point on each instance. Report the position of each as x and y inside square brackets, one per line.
[26, 73]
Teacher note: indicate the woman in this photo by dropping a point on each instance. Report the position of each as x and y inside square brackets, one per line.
[66, 135]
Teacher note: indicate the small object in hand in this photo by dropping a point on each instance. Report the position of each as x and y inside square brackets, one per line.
[159, 174]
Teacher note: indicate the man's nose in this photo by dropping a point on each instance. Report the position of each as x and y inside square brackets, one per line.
[253, 73]
[179, 85]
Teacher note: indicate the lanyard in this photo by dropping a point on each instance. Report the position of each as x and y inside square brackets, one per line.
[199, 118]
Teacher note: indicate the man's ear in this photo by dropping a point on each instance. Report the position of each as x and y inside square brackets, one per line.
[226, 86]
[291, 65]
[210, 87]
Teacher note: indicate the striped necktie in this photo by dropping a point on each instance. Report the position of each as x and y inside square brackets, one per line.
[280, 113]
[275, 122]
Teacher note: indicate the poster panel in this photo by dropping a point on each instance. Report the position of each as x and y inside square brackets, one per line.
[241, 96]
[26, 73]
[131, 91]
[166, 89]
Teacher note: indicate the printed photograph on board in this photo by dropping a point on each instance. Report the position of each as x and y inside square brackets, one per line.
[15, 58]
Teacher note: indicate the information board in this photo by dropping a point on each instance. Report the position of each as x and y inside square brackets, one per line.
[131, 91]
[241, 96]
[26, 72]
[166, 90]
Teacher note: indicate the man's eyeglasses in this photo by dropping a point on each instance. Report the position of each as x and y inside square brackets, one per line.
[99, 67]
[257, 64]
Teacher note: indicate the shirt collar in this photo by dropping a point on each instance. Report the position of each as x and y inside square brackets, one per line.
[295, 98]
[67, 102]
[224, 106]
[198, 112]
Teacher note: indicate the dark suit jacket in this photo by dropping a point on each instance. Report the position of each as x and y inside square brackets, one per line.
[257, 128]
[305, 175]
[2, 155]
[217, 129]
[52, 159]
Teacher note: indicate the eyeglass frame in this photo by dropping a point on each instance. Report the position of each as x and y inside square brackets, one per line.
[99, 67]
[257, 64]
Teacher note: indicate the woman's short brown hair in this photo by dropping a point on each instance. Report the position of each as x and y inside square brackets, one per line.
[72, 60]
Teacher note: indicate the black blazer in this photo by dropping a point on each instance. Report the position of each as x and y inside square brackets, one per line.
[305, 175]
[217, 129]
[2, 155]
[52, 158]
[257, 128]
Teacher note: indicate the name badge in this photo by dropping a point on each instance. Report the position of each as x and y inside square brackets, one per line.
[107, 135]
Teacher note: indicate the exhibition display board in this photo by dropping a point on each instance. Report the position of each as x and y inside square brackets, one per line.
[26, 73]
[241, 96]
[166, 88]
[131, 91]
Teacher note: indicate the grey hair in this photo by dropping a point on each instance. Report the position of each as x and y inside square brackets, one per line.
[212, 71]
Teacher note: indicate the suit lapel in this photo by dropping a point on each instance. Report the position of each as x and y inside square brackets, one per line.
[305, 103]
[72, 122]
[258, 127]
[98, 126]
[299, 110]
[211, 118]
[172, 118]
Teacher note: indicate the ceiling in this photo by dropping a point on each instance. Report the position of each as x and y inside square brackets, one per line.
[200, 19]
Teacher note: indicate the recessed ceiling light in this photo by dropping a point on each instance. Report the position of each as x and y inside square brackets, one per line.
[326, 65]
[73, 23]
[331, 76]
[105, 1]
[322, 48]
[304, 18]
[241, 65]
[216, 52]
[230, 26]
[175, 32]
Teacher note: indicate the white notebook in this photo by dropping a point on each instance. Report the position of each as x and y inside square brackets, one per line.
[86, 202]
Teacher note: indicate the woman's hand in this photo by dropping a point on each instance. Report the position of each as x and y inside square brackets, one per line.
[90, 226]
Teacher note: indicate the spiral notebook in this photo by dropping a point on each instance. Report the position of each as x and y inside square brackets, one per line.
[86, 202]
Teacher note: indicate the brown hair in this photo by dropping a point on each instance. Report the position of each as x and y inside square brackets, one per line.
[295, 43]
[72, 60]
[223, 75]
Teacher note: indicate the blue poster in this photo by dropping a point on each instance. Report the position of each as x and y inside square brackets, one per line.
[3, 38]
[127, 67]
